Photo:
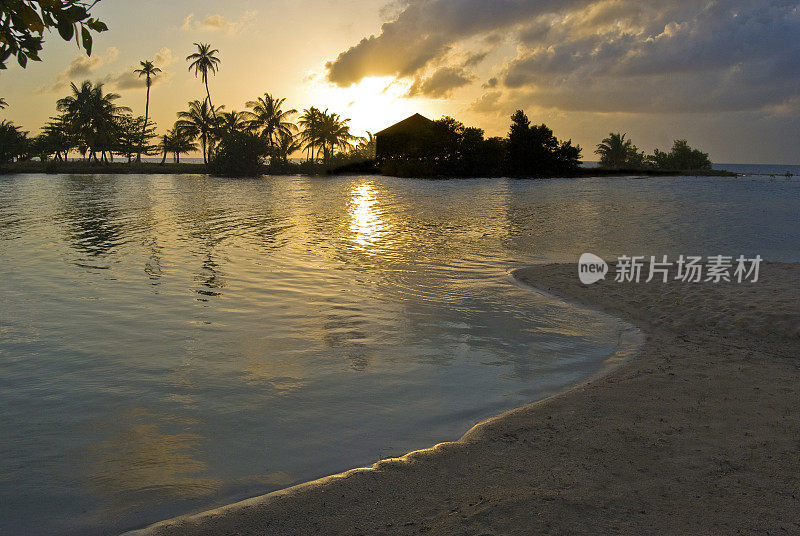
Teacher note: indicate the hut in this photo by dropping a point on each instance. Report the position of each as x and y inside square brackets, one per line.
[401, 138]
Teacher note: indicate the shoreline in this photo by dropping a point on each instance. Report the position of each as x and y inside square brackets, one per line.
[631, 341]
[696, 433]
[191, 168]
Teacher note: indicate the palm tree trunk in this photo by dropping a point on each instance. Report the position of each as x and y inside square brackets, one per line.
[208, 94]
[144, 128]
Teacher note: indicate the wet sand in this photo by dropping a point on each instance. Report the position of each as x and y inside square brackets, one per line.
[699, 433]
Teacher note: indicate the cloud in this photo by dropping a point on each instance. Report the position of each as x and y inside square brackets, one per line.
[737, 55]
[81, 66]
[428, 29]
[488, 102]
[163, 58]
[127, 79]
[441, 83]
[594, 55]
[217, 23]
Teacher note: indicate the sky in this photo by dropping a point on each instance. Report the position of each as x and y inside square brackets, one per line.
[723, 74]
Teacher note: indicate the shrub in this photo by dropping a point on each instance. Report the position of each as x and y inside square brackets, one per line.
[680, 158]
[239, 154]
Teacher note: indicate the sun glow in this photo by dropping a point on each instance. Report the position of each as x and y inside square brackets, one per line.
[366, 224]
[372, 105]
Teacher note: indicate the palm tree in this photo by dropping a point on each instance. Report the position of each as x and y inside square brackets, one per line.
[13, 142]
[165, 143]
[203, 62]
[150, 71]
[334, 135]
[92, 116]
[233, 122]
[268, 119]
[200, 121]
[616, 152]
[327, 132]
[177, 142]
[286, 144]
[310, 123]
[58, 133]
[365, 150]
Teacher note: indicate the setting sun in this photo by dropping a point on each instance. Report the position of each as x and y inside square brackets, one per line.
[371, 104]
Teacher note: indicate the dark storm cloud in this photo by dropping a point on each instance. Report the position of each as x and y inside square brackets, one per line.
[426, 30]
[601, 55]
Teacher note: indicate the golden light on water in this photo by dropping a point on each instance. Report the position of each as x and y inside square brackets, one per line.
[366, 223]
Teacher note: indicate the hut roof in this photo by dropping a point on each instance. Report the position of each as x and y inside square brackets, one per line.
[414, 123]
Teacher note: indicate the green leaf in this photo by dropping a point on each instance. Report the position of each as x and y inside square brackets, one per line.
[77, 13]
[65, 29]
[31, 18]
[22, 59]
[87, 40]
[97, 25]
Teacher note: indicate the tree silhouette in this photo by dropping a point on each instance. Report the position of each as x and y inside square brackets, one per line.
[268, 119]
[150, 71]
[22, 20]
[200, 121]
[616, 152]
[177, 142]
[535, 151]
[310, 123]
[232, 122]
[365, 149]
[57, 138]
[13, 142]
[326, 131]
[133, 135]
[241, 154]
[92, 116]
[204, 61]
[680, 158]
[286, 144]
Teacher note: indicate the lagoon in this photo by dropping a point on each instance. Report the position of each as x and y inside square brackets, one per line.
[173, 343]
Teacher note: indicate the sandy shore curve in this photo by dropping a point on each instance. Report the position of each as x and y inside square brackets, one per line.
[699, 433]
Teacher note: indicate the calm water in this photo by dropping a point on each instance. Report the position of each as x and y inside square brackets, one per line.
[761, 169]
[173, 343]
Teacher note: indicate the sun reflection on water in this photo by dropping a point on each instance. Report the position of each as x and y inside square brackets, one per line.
[366, 223]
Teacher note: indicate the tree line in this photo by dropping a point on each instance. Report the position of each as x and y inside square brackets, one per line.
[448, 148]
[616, 152]
[91, 123]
